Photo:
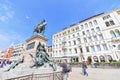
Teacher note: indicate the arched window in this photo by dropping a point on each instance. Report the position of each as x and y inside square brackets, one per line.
[95, 58]
[117, 32]
[102, 58]
[109, 58]
[112, 22]
[107, 24]
[119, 47]
[112, 33]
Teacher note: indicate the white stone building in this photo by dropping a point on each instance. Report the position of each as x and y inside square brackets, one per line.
[97, 38]
[49, 50]
[18, 50]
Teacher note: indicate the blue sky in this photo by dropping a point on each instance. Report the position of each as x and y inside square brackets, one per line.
[18, 17]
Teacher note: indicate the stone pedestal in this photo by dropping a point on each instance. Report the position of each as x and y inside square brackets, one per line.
[32, 43]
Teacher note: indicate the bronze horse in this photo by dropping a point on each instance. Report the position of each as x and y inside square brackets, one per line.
[40, 27]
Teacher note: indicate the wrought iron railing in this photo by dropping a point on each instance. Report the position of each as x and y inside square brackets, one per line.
[47, 76]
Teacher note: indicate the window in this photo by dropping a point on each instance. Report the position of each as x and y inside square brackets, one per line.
[97, 29]
[60, 35]
[77, 28]
[95, 38]
[60, 40]
[92, 30]
[88, 32]
[95, 22]
[81, 50]
[105, 47]
[85, 40]
[82, 27]
[112, 33]
[79, 41]
[119, 47]
[59, 45]
[87, 49]
[60, 51]
[56, 41]
[75, 50]
[106, 17]
[68, 31]
[74, 42]
[73, 35]
[73, 30]
[70, 50]
[112, 22]
[56, 45]
[83, 33]
[107, 24]
[64, 38]
[69, 37]
[90, 24]
[117, 32]
[78, 34]
[92, 48]
[69, 43]
[89, 38]
[101, 37]
[98, 47]
[86, 25]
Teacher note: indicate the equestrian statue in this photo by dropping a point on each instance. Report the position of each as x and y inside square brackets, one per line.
[40, 28]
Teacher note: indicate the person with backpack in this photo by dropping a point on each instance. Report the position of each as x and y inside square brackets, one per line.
[65, 70]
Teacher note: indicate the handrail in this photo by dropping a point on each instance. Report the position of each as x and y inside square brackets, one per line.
[47, 76]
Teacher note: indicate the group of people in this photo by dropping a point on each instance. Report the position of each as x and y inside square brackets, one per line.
[4, 63]
[66, 68]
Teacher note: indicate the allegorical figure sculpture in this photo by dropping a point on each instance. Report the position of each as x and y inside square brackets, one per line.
[40, 28]
[20, 60]
[42, 57]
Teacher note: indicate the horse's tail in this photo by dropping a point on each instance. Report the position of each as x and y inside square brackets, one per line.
[34, 30]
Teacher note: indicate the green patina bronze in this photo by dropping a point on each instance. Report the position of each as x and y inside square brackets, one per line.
[20, 60]
[42, 57]
[40, 28]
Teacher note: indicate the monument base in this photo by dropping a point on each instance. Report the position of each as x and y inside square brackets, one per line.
[24, 69]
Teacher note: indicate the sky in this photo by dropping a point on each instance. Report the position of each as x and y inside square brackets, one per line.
[18, 17]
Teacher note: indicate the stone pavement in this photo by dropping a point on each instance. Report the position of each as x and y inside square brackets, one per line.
[95, 74]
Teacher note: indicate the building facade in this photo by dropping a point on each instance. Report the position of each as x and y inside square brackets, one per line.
[96, 38]
[24, 49]
[49, 50]
[18, 50]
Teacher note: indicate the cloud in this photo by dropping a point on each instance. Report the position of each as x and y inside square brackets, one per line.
[113, 6]
[6, 12]
[3, 18]
[6, 39]
[27, 17]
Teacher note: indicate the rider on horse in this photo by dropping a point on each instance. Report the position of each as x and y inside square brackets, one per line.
[40, 27]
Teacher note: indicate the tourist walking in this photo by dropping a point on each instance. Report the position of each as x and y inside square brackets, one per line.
[64, 69]
[84, 68]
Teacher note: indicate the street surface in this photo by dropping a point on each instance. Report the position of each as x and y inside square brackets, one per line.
[95, 74]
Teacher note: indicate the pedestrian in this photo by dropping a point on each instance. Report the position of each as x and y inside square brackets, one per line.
[64, 69]
[84, 68]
